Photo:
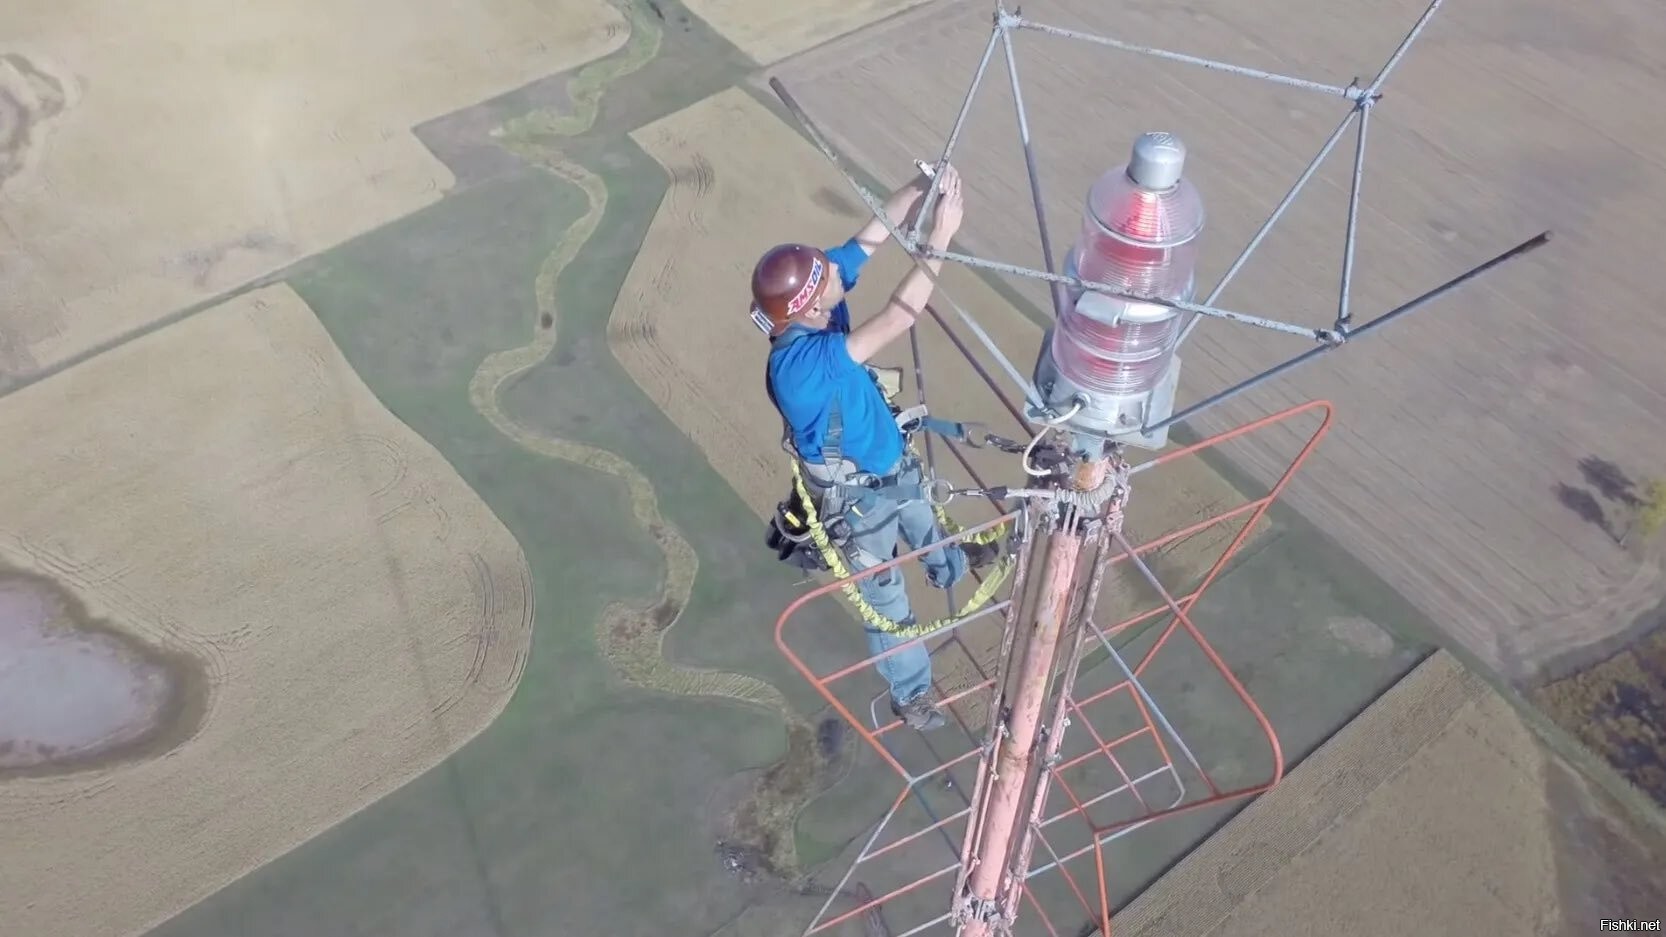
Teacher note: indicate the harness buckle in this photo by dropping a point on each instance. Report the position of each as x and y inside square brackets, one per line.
[838, 530]
[864, 480]
[910, 420]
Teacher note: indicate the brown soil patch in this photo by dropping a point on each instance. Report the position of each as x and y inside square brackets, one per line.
[765, 821]
[754, 815]
[230, 492]
[175, 170]
[681, 331]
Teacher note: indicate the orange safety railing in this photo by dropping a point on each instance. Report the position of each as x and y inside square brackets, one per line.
[1086, 710]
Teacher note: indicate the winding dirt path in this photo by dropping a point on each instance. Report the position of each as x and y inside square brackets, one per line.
[632, 637]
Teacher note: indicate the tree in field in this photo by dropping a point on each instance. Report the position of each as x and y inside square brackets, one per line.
[1648, 515]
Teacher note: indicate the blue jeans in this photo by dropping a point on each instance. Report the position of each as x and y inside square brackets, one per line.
[877, 520]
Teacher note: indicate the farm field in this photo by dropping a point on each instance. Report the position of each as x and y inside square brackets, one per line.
[397, 504]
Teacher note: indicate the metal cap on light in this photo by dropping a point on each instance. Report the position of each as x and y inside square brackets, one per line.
[1109, 359]
[1157, 161]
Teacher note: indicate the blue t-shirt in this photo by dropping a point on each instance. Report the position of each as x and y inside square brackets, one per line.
[809, 369]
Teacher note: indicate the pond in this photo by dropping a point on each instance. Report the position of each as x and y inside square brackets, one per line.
[74, 692]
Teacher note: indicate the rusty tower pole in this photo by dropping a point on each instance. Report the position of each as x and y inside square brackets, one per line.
[996, 852]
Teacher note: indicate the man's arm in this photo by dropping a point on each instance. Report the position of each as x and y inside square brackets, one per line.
[897, 210]
[909, 299]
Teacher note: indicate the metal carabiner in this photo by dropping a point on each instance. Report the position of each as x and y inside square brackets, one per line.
[940, 484]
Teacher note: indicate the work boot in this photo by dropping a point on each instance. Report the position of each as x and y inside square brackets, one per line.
[919, 713]
[981, 555]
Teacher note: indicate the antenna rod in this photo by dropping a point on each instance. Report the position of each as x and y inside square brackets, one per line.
[1525, 247]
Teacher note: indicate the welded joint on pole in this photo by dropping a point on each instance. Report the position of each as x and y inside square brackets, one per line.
[1362, 97]
[1009, 21]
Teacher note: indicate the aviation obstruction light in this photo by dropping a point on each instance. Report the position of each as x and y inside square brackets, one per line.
[1109, 362]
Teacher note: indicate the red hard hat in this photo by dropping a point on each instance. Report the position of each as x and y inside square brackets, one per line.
[787, 281]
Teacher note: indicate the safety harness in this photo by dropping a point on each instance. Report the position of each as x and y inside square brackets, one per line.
[801, 537]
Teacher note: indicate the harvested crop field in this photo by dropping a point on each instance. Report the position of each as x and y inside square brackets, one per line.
[769, 31]
[310, 605]
[262, 559]
[1437, 810]
[249, 137]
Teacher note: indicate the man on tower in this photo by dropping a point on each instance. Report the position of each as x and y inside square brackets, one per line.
[843, 431]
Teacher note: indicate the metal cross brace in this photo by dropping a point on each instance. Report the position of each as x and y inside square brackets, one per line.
[1361, 101]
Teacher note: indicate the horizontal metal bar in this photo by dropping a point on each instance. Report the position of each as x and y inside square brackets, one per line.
[1524, 247]
[953, 625]
[1362, 101]
[1267, 226]
[919, 259]
[1350, 92]
[998, 266]
[1128, 786]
